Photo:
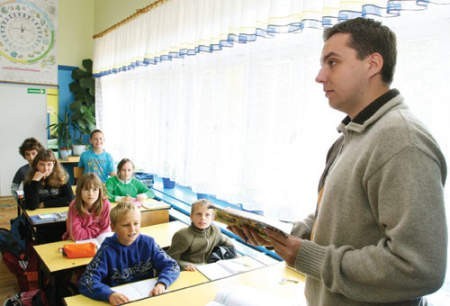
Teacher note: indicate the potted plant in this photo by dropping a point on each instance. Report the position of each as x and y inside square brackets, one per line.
[61, 131]
[83, 107]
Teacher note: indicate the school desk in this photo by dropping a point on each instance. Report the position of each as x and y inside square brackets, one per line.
[276, 281]
[46, 220]
[185, 280]
[52, 258]
[152, 212]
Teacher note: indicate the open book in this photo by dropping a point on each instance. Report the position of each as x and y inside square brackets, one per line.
[258, 223]
[228, 267]
[97, 240]
[136, 290]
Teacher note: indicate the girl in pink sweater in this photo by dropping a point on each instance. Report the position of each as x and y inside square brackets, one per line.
[88, 214]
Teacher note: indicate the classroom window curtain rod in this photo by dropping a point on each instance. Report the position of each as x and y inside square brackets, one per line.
[172, 29]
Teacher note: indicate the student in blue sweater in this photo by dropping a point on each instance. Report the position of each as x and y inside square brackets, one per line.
[126, 257]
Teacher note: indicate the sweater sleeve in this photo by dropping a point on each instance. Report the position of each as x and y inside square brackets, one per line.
[303, 229]
[409, 260]
[63, 198]
[142, 189]
[91, 282]
[111, 189]
[178, 247]
[167, 267]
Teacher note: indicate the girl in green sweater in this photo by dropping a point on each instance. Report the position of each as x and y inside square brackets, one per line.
[125, 185]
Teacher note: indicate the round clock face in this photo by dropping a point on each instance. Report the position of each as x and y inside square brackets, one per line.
[26, 32]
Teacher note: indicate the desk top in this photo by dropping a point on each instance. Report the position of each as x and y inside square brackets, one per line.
[281, 282]
[61, 212]
[70, 159]
[186, 279]
[52, 257]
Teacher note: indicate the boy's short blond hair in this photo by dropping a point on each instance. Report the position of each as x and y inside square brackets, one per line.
[119, 210]
[201, 203]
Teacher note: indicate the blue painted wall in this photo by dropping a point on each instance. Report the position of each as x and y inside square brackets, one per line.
[64, 94]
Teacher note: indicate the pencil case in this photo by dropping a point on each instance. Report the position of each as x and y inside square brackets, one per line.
[79, 250]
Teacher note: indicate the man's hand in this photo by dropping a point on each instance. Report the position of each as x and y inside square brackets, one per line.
[286, 246]
[250, 236]
[117, 298]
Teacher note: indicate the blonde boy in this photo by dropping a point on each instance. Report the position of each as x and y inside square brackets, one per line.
[194, 244]
[125, 257]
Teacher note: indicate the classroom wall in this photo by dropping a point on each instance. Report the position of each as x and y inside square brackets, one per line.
[110, 12]
[74, 31]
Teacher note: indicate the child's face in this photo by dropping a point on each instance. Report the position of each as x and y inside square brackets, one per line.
[202, 217]
[97, 141]
[89, 196]
[45, 167]
[126, 172]
[127, 227]
[30, 155]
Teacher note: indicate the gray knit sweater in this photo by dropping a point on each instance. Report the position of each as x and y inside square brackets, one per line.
[380, 233]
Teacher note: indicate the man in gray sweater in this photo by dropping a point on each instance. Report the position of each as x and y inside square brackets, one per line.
[379, 233]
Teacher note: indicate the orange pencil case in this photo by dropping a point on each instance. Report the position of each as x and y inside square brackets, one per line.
[79, 250]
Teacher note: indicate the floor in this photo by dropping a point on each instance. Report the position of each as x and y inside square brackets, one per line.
[8, 283]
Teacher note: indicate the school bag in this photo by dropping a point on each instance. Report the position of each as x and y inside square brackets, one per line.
[19, 256]
[35, 297]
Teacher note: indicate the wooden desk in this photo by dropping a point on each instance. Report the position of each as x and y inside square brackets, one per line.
[70, 160]
[154, 212]
[276, 280]
[43, 229]
[186, 279]
[52, 258]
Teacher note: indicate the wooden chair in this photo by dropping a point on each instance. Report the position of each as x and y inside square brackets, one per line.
[77, 173]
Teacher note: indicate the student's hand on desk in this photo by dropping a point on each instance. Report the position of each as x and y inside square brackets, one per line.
[158, 289]
[190, 267]
[117, 298]
[250, 236]
[285, 246]
[141, 197]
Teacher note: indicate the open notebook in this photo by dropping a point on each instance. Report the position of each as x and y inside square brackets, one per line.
[228, 267]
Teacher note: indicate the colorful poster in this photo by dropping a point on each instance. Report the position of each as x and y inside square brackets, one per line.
[27, 41]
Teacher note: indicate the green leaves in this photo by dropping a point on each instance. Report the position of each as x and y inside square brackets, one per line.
[83, 107]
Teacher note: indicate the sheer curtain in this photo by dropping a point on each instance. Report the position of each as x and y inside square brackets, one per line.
[248, 123]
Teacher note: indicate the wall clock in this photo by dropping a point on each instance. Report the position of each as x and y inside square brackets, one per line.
[26, 32]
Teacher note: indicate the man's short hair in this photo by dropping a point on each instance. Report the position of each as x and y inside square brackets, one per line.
[369, 36]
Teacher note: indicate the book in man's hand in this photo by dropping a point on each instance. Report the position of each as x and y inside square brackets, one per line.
[239, 218]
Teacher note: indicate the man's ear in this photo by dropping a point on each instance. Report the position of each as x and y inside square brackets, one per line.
[375, 61]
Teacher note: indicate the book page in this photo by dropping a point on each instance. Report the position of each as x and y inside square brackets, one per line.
[136, 290]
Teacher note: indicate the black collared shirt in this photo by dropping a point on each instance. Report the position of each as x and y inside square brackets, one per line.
[370, 109]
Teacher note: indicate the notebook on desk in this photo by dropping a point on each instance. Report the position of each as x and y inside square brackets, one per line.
[49, 218]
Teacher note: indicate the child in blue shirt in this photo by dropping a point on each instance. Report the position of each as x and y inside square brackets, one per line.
[126, 257]
[97, 160]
